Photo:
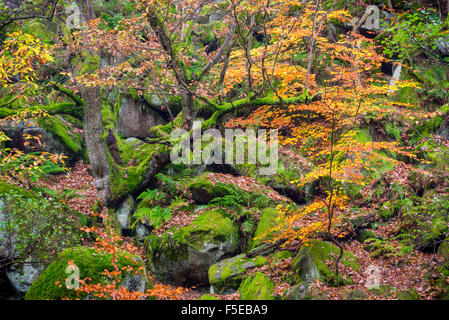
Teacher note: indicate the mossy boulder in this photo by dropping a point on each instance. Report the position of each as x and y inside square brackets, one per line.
[387, 210]
[384, 291]
[57, 135]
[226, 275]
[184, 255]
[409, 294]
[365, 234]
[257, 286]
[354, 294]
[313, 259]
[208, 297]
[51, 283]
[203, 191]
[124, 215]
[303, 291]
[267, 221]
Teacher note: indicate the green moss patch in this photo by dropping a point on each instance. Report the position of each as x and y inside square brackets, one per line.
[51, 284]
[258, 286]
[227, 274]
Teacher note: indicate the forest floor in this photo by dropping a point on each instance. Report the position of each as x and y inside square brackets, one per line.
[402, 272]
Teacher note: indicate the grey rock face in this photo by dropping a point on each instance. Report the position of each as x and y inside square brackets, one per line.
[135, 120]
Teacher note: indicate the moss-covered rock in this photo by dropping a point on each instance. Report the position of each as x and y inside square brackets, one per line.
[226, 275]
[365, 234]
[63, 132]
[310, 263]
[51, 285]
[208, 297]
[303, 291]
[409, 294]
[354, 294]
[203, 191]
[387, 210]
[184, 255]
[257, 286]
[267, 221]
[384, 291]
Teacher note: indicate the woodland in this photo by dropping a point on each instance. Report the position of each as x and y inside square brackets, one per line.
[94, 93]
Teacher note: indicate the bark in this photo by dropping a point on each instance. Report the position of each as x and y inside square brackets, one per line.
[96, 147]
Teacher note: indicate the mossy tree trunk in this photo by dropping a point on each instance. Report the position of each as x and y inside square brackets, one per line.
[96, 147]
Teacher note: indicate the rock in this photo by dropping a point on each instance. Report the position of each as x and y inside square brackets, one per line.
[443, 250]
[364, 221]
[303, 291]
[134, 142]
[208, 297]
[365, 234]
[204, 191]
[51, 284]
[22, 276]
[226, 275]
[57, 136]
[384, 291]
[184, 255]
[141, 232]
[257, 286]
[124, 215]
[136, 121]
[387, 211]
[310, 263]
[350, 294]
[409, 294]
[267, 221]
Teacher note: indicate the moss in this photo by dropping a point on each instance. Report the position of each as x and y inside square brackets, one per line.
[366, 234]
[40, 30]
[174, 245]
[387, 211]
[383, 291]
[62, 133]
[409, 294]
[91, 265]
[203, 191]
[227, 274]
[90, 63]
[280, 255]
[211, 227]
[258, 286]
[140, 162]
[267, 221]
[6, 188]
[56, 108]
[311, 261]
[208, 297]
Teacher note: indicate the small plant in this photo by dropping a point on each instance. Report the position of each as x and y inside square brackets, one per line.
[154, 216]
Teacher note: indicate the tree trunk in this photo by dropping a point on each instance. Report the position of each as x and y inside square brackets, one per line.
[96, 147]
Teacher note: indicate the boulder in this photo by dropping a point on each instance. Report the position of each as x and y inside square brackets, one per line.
[183, 256]
[51, 284]
[203, 190]
[226, 275]
[303, 291]
[124, 215]
[135, 120]
[58, 136]
[312, 259]
[257, 286]
[21, 276]
[354, 294]
[266, 222]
